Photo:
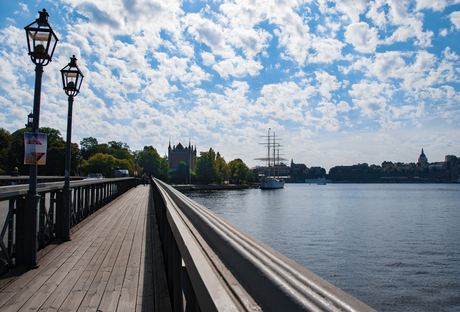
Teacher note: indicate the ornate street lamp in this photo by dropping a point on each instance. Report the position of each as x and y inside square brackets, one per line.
[30, 120]
[41, 41]
[72, 78]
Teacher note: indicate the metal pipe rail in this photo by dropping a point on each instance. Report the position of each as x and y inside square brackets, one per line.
[8, 180]
[87, 197]
[248, 273]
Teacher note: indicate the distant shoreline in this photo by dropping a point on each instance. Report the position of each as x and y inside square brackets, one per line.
[210, 187]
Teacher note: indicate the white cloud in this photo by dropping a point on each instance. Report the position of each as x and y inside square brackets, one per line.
[363, 38]
[208, 58]
[207, 32]
[237, 67]
[24, 7]
[455, 19]
[327, 83]
[156, 70]
[343, 107]
[327, 50]
[351, 8]
[285, 101]
[450, 55]
[371, 97]
[438, 5]
[409, 25]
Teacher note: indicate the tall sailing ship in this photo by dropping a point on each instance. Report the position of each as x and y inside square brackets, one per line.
[272, 180]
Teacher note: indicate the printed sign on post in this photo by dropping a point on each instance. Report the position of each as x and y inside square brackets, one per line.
[35, 145]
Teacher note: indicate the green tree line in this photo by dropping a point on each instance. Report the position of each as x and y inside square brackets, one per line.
[211, 167]
[94, 157]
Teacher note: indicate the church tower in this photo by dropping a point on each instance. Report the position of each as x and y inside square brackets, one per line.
[422, 160]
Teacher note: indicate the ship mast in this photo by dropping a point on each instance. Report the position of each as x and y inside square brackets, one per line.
[272, 146]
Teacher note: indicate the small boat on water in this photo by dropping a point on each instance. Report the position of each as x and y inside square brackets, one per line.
[271, 180]
[319, 181]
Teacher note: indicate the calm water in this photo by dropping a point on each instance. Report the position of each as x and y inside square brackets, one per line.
[395, 247]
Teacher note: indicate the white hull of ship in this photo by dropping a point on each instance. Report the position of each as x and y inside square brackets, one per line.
[270, 183]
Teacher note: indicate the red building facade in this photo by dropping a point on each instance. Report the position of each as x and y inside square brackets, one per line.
[179, 153]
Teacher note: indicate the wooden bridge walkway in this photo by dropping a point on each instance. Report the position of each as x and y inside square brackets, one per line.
[107, 265]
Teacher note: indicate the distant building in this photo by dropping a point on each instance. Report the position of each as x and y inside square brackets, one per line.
[179, 153]
[387, 165]
[403, 166]
[297, 167]
[422, 160]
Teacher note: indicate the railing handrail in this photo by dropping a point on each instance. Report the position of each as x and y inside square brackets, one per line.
[209, 287]
[10, 191]
[275, 282]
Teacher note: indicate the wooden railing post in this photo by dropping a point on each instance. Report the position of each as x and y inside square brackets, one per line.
[176, 265]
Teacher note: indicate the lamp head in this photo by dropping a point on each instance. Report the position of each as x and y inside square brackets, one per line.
[41, 40]
[72, 77]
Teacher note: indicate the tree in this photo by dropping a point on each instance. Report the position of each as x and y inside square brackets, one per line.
[205, 170]
[4, 145]
[154, 165]
[4, 139]
[55, 160]
[52, 135]
[181, 174]
[239, 172]
[119, 146]
[221, 168]
[104, 163]
[89, 146]
[15, 153]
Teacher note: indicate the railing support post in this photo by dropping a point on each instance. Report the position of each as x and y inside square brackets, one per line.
[176, 278]
[63, 215]
[191, 304]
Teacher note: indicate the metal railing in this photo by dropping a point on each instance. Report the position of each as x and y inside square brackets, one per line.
[218, 267]
[87, 197]
[8, 180]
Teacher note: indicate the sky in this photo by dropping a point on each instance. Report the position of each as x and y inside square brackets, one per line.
[339, 82]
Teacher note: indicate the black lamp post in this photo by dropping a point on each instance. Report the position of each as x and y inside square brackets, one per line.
[41, 41]
[135, 170]
[71, 81]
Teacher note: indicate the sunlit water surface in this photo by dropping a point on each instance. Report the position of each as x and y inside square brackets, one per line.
[395, 247]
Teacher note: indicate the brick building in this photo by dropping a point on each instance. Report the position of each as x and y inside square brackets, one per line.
[179, 153]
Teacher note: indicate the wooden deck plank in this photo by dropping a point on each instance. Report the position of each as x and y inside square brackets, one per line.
[145, 293]
[44, 256]
[97, 290]
[56, 299]
[43, 285]
[112, 293]
[130, 286]
[102, 267]
[78, 292]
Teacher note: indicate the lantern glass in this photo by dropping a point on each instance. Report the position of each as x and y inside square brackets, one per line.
[71, 80]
